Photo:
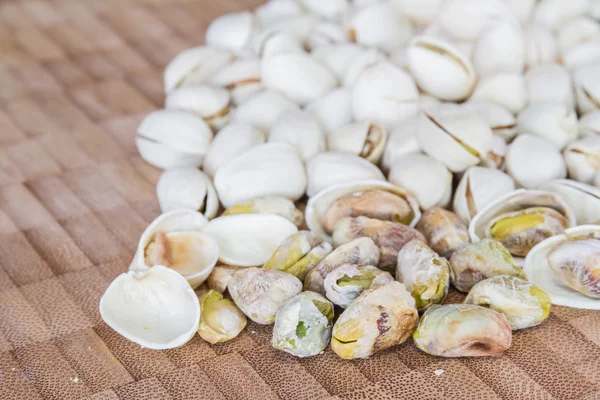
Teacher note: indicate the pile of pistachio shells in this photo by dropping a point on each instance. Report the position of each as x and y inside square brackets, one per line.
[331, 167]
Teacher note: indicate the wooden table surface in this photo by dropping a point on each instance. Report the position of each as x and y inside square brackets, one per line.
[76, 77]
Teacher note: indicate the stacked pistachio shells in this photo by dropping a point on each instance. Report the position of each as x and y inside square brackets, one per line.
[418, 151]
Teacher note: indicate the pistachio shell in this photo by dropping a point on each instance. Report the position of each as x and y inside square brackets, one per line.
[550, 83]
[274, 11]
[327, 9]
[269, 205]
[421, 12]
[301, 130]
[500, 48]
[231, 31]
[364, 139]
[338, 57]
[333, 110]
[577, 31]
[480, 14]
[403, 140]
[346, 283]
[444, 231]
[220, 319]
[555, 122]
[554, 13]
[583, 199]
[589, 124]
[325, 34]
[188, 188]
[507, 89]
[195, 65]
[583, 159]
[263, 109]
[240, 72]
[501, 120]
[587, 87]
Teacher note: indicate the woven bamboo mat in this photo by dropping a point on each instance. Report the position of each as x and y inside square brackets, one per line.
[76, 77]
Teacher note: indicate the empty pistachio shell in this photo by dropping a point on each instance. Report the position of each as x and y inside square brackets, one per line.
[301, 130]
[478, 261]
[554, 13]
[344, 284]
[194, 66]
[269, 205]
[303, 325]
[506, 89]
[583, 159]
[299, 254]
[501, 120]
[338, 57]
[220, 319]
[380, 25]
[444, 231]
[389, 236]
[362, 251]
[260, 293]
[187, 187]
[540, 46]
[403, 140]
[500, 48]
[524, 305]
[576, 263]
[379, 318]
[589, 124]
[231, 31]
[240, 72]
[220, 276]
[333, 110]
[555, 122]
[577, 31]
[583, 199]
[263, 109]
[425, 274]
[550, 83]
[463, 330]
[210, 103]
[366, 59]
[364, 139]
[587, 88]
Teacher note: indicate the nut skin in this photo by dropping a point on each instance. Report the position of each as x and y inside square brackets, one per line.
[220, 319]
[346, 283]
[445, 232]
[389, 236]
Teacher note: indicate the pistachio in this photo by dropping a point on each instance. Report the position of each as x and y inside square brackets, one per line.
[501, 120]
[220, 319]
[577, 31]
[269, 205]
[263, 109]
[210, 103]
[554, 13]
[587, 88]
[333, 110]
[444, 231]
[500, 48]
[550, 83]
[555, 122]
[403, 140]
[577, 264]
[454, 13]
[583, 199]
[301, 130]
[346, 283]
[540, 46]
[364, 139]
[504, 88]
[583, 159]
[231, 31]
[421, 12]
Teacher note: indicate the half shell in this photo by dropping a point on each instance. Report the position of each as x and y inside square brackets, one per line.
[189, 188]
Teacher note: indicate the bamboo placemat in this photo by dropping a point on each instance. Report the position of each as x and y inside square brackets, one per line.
[76, 77]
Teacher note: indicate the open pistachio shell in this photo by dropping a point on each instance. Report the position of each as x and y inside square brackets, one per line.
[379, 318]
[269, 205]
[220, 319]
[195, 65]
[210, 103]
[365, 139]
[189, 188]
[583, 159]
[566, 267]
[463, 330]
[444, 231]
[344, 284]
[523, 304]
[583, 199]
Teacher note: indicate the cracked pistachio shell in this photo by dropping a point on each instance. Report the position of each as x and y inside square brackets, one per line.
[194, 66]
[550, 83]
[325, 34]
[384, 93]
[583, 199]
[241, 93]
[577, 31]
[173, 138]
[463, 330]
[346, 283]
[155, 308]
[329, 169]
[500, 48]
[303, 325]
[428, 56]
[301, 130]
[297, 76]
[504, 88]
[475, 262]
[554, 13]
[379, 318]
[589, 124]
[555, 122]
[366, 59]
[220, 319]
[231, 31]
[189, 188]
[210, 103]
[333, 110]
[269, 205]
[403, 140]
[566, 267]
[425, 274]
[495, 157]
[389, 236]
[427, 178]
[365, 139]
[523, 304]
[583, 159]
[231, 141]
[532, 160]
[445, 231]
[220, 276]
[248, 240]
[361, 251]
[260, 293]
[299, 254]
[241, 77]
[502, 121]
[458, 139]
[272, 169]
[540, 46]
[338, 57]
[421, 12]
[263, 109]
[273, 41]
[380, 25]
[480, 14]
[479, 187]
[586, 80]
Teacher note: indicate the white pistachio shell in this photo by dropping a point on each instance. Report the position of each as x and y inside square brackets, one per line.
[403, 140]
[502, 121]
[583, 199]
[587, 88]
[540, 273]
[540, 46]
[555, 122]
[367, 58]
[522, 9]
[325, 34]
[454, 13]
[550, 83]
[338, 57]
[194, 66]
[495, 157]
[273, 41]
[332, 168]
[241, 72]
[172, 138]
[583, 159]
[297, 76]
[333, 110]
[231, 31]
[577, 31]
[421, 12]
[384, 93]
[301, 130]
[532, 160]
[318, 205]
[241, 93]
[364, 139]
[272, 169]
[500, 48]
[428, 179]
[589, 124]
[479, 187]
[427, 57]
[327, 9]
[581, 55]
[298, 26]
[274, 11]
[188, 188]
[263, 109]
[554, 13]
[506, 89]
[248, 240]
[209, 102]
[233, 140]
[156, 308]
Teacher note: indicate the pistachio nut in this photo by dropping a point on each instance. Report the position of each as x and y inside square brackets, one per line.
[523, 304]
[501, 120]
[540, 46]
[303, 325]
[583, 159]
[577, 31]
[173, 138]
[361, 251]
[555, 122]
[504, 88]
[475, 262]
[220, 276]
[403, 140]
[480, 14]
[463, 330]
[194, 66]
[500, 48]
[425, 274]
[231, 31]
[550, 83]
[263, 109]
[532, 160]
[220, 319]
[384, 93]
[587, 88]
[189, 188]
[583, 199]
[379, 318]
[333, 110]
[301, 130]
[260, 293]
[420, 12]
[365, 139]
[428, 179]
[589, 124]
[299, 254]
[269, 205]
[554, 13]
[389, 236]
[346, 283]
[444, 231]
